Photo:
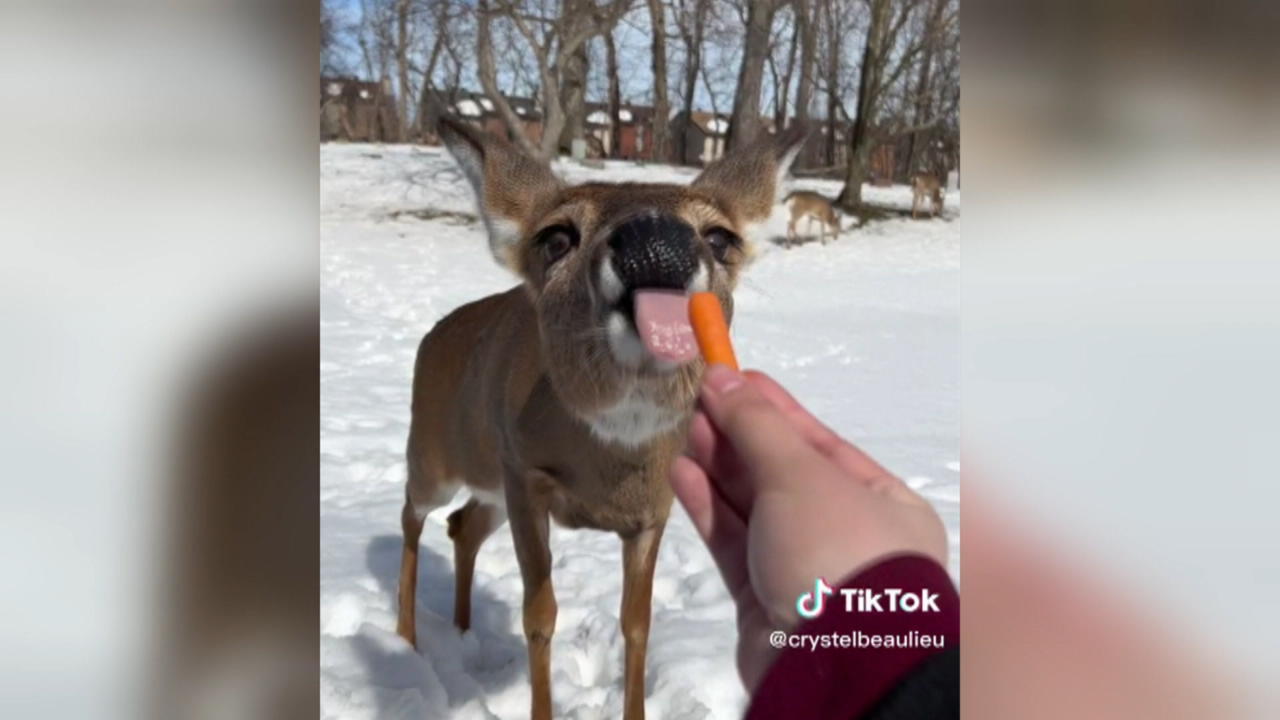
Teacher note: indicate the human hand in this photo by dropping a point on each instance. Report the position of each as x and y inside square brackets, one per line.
[781, 500]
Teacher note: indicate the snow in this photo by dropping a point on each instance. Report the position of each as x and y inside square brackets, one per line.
[468, 108]
[863, 330]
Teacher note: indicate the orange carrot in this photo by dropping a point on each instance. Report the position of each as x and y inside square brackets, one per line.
[709, 326]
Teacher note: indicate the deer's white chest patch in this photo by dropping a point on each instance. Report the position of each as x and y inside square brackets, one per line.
[634, 421]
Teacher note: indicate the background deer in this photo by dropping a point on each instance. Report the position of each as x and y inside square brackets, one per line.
[926, 187]
[812, 206]
[567, 397]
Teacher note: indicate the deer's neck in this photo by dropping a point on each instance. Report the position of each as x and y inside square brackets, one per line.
[637, 419]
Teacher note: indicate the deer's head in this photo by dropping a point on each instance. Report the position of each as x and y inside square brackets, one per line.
[608, 268]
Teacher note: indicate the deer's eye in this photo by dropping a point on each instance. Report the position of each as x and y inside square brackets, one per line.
[721, 242]
[556, 241]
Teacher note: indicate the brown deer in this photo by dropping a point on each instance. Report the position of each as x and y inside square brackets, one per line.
[811, 205]
[926, 187]
[568, 396]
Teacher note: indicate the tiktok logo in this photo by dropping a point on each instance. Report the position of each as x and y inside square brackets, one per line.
[810, 605]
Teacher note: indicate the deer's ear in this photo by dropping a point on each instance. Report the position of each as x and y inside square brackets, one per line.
[752, 179]
[510, 186]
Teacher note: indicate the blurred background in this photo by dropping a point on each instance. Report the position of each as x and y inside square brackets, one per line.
[158, 314]
[157, 219]
[1120, 331]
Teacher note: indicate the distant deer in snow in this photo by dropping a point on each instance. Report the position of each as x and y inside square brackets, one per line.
[812, 206]
[926, 187]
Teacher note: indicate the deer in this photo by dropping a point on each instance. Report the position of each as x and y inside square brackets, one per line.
[811, 205]
[922, 187]
[568, 396]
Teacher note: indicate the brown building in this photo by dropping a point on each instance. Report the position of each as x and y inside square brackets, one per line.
[704, 135]
[361, 111]
[356, 110]
[479, 110]
[635, 141]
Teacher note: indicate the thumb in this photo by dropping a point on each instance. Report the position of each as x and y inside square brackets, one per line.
[767, 446]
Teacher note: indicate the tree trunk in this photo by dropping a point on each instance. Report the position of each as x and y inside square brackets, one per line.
[833, 78]
[915, 143]
[489, 81]
[553, 122]
[402, 66]
[661, 111]
[429, 105]
[782, 90]
[744, 124]
[860, 140]
[692, 68]
[615, 95]
[923, 85]
[806, 28]
[573, 96]
[430, 109]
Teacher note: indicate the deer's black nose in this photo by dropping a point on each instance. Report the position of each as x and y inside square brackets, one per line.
[654, 251]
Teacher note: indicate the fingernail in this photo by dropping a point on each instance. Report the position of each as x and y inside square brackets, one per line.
[722, 379]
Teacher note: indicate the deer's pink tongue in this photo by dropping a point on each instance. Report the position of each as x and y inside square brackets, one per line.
[662, 318]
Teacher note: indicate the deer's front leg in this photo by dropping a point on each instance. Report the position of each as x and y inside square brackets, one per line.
[639, 555]
[528, 514]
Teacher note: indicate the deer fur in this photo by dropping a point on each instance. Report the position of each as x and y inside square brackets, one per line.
[811, 206]
[542, 400]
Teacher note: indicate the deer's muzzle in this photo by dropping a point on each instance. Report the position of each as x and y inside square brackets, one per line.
[654, 250]
[654, 258]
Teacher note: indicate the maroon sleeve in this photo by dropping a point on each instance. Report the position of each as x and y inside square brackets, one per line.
[846, 675]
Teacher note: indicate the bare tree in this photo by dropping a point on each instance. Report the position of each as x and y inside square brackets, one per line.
[488, 72]
[691, 19]
[834, 47]
[374, 38]
[868, 88]
[722, 52]
[884, 29]
[661, 107]
[744, 124]
[807, 30]
[615, 95]
[431, 103]
[935, 28]
[455, 50]
[554, 42]
[782, 83]
[574, 67]
[402, 67]
[330, 42]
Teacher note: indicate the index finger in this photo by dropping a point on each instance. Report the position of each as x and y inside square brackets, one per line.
[745, 443]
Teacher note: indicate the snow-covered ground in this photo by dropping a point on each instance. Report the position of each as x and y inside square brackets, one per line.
[864, 331]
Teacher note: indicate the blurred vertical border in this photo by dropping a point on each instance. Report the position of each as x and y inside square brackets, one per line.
[1121, 335]
[158, 264]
